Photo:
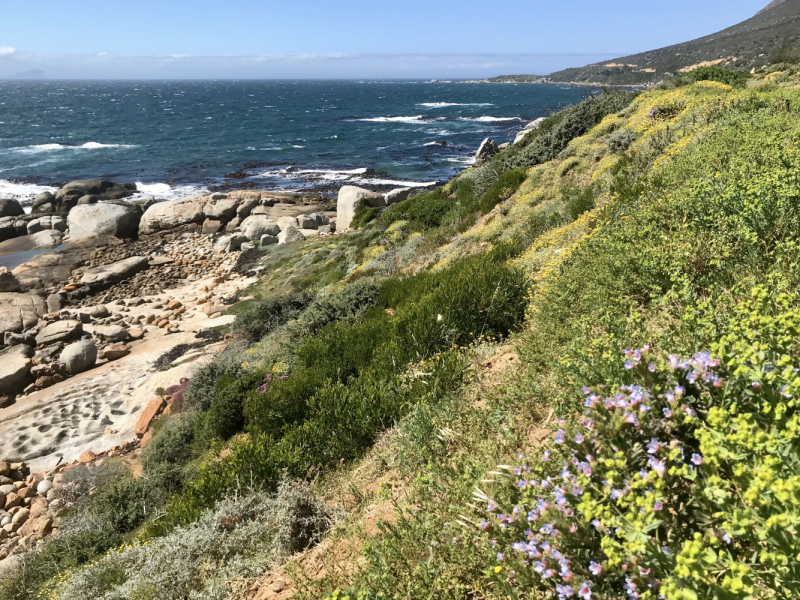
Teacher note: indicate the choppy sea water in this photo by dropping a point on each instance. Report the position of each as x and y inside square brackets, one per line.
[174, 138]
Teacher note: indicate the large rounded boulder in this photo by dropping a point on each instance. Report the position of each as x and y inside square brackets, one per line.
[10, 208]
[349, 197]
[256, 226]
[169, 215]
[104, 219]
[79, 356]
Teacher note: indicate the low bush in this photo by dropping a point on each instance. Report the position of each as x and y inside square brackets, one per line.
[241, 537]
[264, 316]
[364, 214]
[735, 79]
[502, 189]
[577, 201]
[621, 140]
[422, 212]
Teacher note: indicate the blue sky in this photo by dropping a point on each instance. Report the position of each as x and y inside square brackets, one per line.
[345, 38]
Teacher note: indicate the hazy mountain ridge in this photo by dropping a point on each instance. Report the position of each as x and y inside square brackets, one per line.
[772, 35]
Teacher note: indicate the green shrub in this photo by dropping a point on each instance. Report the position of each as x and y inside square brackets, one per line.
[200, 391]
[225, 416]
[59, 554]
[364, 214]
[423, 212]
[346, 304]
[620, 141]
[502, 189]
[264, 316]
[127, 503]
[554, 134]
[577, 201]
[173, 444]
[736, 79]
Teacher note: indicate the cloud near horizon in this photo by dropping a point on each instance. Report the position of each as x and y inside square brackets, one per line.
[104, 65]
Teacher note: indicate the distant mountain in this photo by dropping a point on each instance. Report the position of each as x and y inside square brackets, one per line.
[772, 35]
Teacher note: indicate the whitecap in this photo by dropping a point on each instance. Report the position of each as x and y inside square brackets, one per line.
[165, 191]
[448, 104]
[412, 120]
[24, 193]
[38, 148]
[489, 119]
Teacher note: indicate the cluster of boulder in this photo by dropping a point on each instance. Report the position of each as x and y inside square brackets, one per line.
[29, 503]
[71, 340]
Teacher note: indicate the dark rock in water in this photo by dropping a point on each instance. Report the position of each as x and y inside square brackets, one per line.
[10, 208]
[440, 143]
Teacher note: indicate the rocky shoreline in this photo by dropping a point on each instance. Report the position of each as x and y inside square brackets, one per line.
[98, 336]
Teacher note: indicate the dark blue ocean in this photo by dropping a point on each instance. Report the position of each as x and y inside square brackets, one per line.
[176, 137]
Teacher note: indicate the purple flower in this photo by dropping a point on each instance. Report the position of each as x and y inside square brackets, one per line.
[501, 557]
[577, 490]
[658, 506]
[679, 391]
[585, 592]
[659, 467]
[667, 413]
[651, 367]
[578, 438]
[522, 484]
[617, 494]
[560, 437]
[565, 591]
[546, 455]
[492, 506]
[727, 538]
[654, 446]
[595, 568]
[586, 391]
[597, 524]
[538, 566]
[484, 524]
[628, 364]
[697, 459]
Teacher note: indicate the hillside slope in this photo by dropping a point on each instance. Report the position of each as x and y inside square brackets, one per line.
[772, 35]
[570, 372]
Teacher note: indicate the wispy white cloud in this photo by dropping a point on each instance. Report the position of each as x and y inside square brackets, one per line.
[333, 65]
[7, 51]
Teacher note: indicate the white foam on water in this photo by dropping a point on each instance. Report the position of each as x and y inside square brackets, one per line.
[448, 104]
[39, 148]
[411, 120]
[24, 193]
[489, 119]
[355, 176]
[165, 191]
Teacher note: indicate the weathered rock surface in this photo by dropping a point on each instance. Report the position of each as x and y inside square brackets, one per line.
[220, 207]
[59, 331]
[15, 369]
[255, 226]
[44, 202]
[397, 195]
[79, 356]
[49, 238]
[349, 197]
[168, 215]
[290, 234]
[8, 283]
[10, 208]
[19, 312]
[88, 220]
[111, 333]
[486, 151]
[99, 278]
[268, 240]
[153, 408]
[68, 196]
[230, 243]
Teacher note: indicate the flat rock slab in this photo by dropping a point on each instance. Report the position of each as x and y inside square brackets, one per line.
[19, 312]
[60, 331]
[100, 278]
